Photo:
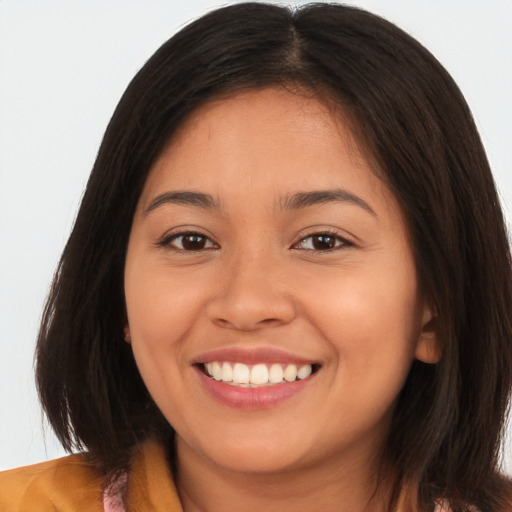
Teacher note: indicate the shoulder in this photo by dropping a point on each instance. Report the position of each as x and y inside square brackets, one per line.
[68, 484]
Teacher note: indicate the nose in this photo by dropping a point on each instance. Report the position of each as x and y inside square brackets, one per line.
[253, 295]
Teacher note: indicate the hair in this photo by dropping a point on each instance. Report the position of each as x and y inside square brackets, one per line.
[414, 124]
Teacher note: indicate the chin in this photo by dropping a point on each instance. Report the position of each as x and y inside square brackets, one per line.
[256, 463]
[261, 454]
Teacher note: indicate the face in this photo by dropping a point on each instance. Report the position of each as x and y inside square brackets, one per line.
[272, 298]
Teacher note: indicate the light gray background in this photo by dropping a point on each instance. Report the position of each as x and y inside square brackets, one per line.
[64, 66]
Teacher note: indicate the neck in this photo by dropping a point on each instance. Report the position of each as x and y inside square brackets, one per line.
[330, 486]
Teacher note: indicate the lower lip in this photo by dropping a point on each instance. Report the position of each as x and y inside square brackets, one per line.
[253, 398]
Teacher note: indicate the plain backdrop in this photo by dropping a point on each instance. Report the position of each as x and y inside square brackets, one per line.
[64, 66]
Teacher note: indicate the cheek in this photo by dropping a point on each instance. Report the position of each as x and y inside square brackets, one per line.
[160, 307]
[372, 337]
[370, 320]
[161, 313]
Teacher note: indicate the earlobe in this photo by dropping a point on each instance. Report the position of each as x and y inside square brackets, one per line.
[127, 336]
[429, 349]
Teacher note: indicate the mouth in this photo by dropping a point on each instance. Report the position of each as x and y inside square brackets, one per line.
[259, 375]
[252, 378]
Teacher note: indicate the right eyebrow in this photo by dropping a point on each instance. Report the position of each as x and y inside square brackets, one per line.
[305, 199]
[188, 198]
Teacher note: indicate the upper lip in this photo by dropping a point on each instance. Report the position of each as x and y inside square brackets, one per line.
[252, 356]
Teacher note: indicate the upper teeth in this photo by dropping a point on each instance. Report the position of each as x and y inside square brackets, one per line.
[258, 374]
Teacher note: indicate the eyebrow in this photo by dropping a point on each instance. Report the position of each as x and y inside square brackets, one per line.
[187, 198]
[306, 199]
[293, 202]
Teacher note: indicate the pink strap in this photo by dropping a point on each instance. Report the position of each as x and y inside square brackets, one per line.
[112, 495]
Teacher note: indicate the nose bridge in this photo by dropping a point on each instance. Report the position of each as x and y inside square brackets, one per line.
[253, 292]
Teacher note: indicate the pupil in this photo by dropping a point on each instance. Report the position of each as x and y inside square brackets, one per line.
[323, 242]
[193, 242]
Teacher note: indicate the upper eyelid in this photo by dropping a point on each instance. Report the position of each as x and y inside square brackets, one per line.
[185, 230]
[337, 233]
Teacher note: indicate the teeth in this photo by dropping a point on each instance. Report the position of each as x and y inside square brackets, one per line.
[290, 373]
[239, 374]
[216, 371]
[227, 372]
[259, 374]
[276, 374]
[304, 371]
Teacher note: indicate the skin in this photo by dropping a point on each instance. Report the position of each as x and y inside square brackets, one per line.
[261, 279]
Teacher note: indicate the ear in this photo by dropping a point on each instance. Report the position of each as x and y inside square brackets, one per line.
[429, 348]
[127, 336]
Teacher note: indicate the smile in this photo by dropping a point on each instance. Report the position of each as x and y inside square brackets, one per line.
[257, 375]
[252, 378]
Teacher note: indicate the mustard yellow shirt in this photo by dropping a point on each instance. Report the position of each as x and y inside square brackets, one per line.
[70, 484]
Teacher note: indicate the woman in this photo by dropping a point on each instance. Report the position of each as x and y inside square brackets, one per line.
[288, 284]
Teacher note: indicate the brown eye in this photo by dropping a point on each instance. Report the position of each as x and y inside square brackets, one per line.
[193, 242]
[322, 242]
[189, 242]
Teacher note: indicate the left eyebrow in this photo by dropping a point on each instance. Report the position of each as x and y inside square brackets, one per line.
[305, 199]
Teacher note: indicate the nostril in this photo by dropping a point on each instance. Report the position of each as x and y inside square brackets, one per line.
[269, 321]
[242, 323]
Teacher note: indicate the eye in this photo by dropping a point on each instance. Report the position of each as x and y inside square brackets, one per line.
[322, 242]
[188, 242]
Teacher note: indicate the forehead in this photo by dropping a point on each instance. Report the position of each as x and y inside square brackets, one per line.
[266, 142]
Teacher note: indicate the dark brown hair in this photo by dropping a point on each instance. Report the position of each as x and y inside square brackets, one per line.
[415, 125]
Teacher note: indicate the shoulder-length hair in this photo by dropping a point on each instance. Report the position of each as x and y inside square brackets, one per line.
[411, 118]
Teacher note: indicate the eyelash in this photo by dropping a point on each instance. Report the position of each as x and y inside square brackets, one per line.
[339, 240]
